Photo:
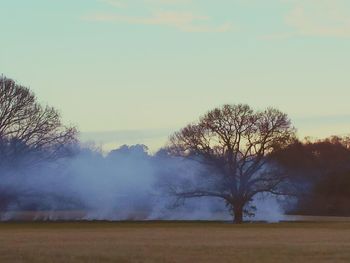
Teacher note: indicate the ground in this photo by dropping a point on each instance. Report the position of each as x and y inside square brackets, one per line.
[174, 242]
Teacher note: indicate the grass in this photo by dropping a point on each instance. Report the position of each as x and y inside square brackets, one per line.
[174, 242]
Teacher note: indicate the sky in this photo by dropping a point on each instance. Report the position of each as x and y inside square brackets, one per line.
[135, 71]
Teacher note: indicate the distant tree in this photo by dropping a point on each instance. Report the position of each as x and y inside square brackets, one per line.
[321, 168]
[313, 160]
[136, 151]
[28, 130]
[235, 144]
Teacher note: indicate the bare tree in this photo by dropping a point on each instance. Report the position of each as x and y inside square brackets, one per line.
[29, 129]
[236, 144]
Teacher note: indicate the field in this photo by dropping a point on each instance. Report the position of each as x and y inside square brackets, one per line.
[174, 242]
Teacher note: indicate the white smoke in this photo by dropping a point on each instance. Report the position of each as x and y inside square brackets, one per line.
[124, 185]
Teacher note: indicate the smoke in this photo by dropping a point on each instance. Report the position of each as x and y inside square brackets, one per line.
[269, 208]
[126, 184]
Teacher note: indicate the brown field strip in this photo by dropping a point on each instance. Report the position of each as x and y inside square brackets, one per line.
[174, 242]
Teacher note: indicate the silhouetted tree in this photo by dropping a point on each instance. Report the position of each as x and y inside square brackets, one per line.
[28, 130]
[316, 158]
[321, 168]
[138, 151]
[235, 143]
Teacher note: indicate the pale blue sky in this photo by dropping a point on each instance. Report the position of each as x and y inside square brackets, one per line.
[152, 66]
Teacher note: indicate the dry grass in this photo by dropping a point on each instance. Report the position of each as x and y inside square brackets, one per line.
[174, 242]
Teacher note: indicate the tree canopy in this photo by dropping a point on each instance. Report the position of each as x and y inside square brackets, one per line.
[29, 130]
[236, 144]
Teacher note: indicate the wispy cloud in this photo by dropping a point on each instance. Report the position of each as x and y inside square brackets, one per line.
[316, 18]
[114, 3]
[169, 1]
[109, 140]
[185, 21]
[320, 18]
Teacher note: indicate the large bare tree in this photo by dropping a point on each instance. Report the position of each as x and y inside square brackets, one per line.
[235, 143]
[29, 129]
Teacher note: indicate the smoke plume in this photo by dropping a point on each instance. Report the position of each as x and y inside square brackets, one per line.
[126, 184]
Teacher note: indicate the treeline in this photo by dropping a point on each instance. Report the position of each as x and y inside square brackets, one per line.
[231, 155]
[321, 169]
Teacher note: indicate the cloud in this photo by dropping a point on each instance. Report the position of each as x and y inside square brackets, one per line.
[108, 140]
[183, 21]
[315, 18]
[169, 1]
[319, 18]
[123, 3]
[114, 3]
[159, 15]
[124, 135]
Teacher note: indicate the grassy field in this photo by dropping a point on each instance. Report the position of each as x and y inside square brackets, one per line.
[174, 242]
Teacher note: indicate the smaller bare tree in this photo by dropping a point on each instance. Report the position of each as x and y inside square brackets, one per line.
[29, 129]
[236, 144]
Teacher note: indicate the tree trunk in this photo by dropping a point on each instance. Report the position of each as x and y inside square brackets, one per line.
[238, 214]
